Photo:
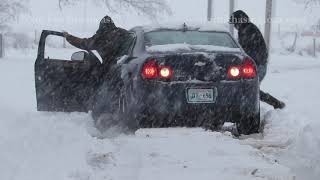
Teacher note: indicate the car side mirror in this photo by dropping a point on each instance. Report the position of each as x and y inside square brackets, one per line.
[78, 56]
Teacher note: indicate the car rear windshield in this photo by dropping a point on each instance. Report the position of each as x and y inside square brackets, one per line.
[189, 37]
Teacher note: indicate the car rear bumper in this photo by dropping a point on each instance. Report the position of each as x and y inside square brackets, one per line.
[169, 100]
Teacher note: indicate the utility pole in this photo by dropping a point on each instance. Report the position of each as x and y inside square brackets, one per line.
[35, 37]
[314, 47]
[231, 10]
[210, 10]
[85, 14]
[267, 31]
[1, 46]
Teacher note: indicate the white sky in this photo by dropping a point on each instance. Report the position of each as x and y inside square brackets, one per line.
[45, 14]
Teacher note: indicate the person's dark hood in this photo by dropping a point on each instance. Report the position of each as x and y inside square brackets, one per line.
[239, 18]
[106, 24]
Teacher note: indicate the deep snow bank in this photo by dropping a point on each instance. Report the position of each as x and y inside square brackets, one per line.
[293, 134]
[59, 146]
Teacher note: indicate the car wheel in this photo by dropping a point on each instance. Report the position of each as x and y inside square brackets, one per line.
[126, 112]
[248, 124]
[146, 119]
[106, 107]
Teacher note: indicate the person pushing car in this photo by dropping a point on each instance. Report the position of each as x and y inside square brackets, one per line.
[253, 43]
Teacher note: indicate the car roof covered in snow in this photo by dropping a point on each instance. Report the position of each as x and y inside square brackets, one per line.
[184, 26]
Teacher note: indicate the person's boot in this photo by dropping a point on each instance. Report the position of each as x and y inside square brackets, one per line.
[267, 98]
[279, 105]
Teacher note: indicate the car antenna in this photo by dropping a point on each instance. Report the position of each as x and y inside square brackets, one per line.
[185, 27]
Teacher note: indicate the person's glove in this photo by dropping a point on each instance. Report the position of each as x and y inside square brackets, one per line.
[65, 34]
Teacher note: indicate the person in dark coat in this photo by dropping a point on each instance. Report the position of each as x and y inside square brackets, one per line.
[253, 43]
[109, 41]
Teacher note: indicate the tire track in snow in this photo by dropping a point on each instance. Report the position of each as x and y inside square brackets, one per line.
[187, 154]
[121, 162]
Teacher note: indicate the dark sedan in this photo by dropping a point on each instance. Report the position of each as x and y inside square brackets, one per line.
[170, 77]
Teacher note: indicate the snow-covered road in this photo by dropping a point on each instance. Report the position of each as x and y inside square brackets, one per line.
[37, 146]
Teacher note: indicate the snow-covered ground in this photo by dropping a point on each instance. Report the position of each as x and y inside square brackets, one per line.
[38, 146]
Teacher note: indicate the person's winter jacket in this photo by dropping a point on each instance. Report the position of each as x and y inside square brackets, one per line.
[250, 38]
[109, 41]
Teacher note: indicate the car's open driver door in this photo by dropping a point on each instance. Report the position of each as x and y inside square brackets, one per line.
[64, 85]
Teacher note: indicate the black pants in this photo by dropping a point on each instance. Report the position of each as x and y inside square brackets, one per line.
[267, 98]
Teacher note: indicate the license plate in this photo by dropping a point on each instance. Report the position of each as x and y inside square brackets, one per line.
[201, 95]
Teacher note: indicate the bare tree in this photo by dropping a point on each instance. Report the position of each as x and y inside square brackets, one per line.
[312, 2]
[308, 3]
[9, 10]
[316, 26]
[67, 3]
[150, 8]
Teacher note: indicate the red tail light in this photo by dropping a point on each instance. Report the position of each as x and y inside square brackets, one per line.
[151, 70]
[247, 70]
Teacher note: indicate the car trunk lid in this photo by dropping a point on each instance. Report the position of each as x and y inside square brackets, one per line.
[206, 67]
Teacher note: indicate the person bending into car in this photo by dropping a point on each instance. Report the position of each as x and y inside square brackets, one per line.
[111, 43]
[253, 43]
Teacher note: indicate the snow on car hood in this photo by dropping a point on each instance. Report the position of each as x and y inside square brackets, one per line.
[188, 47]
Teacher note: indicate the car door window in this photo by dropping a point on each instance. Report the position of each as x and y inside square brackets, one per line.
[58, 48]
[127, 46]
